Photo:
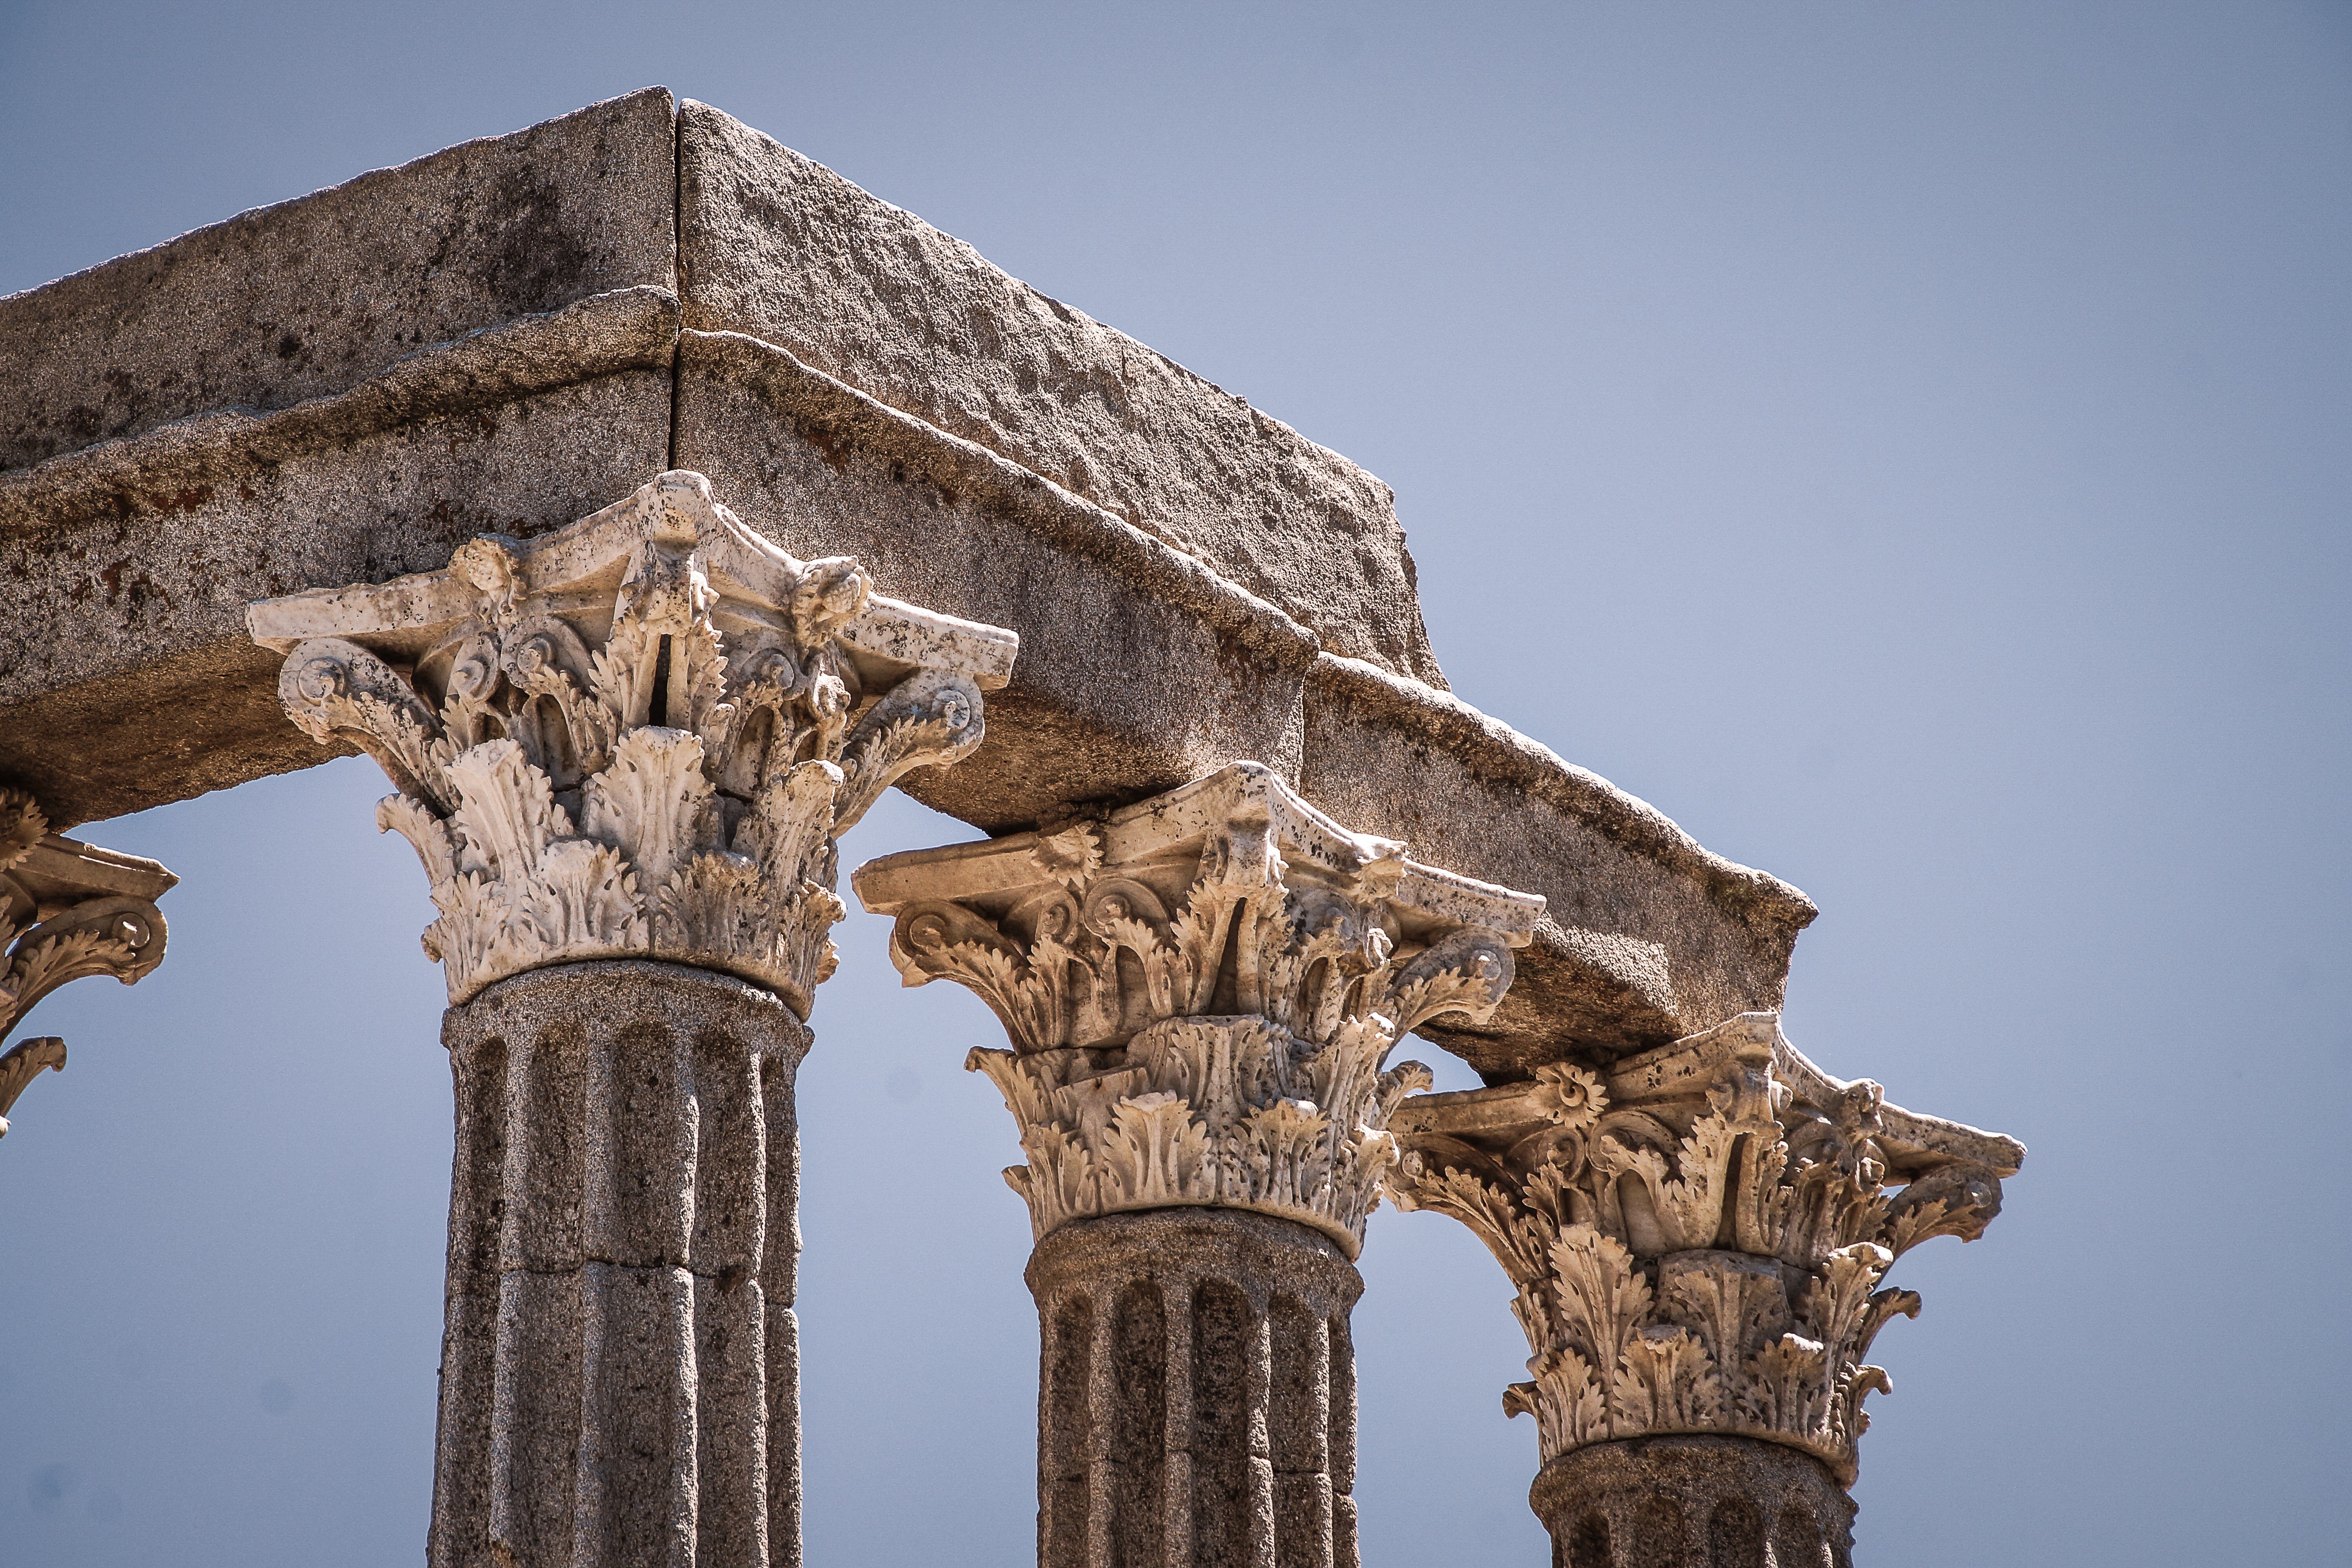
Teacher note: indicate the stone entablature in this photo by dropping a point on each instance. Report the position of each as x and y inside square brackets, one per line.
[1698, 1233]
[67, 911]
[1201, 990]
[636, 737]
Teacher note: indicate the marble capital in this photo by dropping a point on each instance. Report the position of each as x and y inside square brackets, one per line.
[1202, 990]
[638, 736]
[67, 911]
[1698, 1234]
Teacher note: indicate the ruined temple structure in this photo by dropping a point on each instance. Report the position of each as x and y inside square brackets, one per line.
[645, 499]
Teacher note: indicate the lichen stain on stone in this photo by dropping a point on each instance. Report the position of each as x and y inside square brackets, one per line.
[1233, 660]
[184, 501]
[829, 445]
[478, 427]
[136, 593]
[540, 263]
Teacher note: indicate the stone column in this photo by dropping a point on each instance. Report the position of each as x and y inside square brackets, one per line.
[624, 1142]
[68, 910]
[624, 752]
[1201, 991]
[1696, 1235]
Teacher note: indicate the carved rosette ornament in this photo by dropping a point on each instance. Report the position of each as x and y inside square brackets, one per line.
[68, 910]
[636, 736]
[1202, 990]
[1698, 1233]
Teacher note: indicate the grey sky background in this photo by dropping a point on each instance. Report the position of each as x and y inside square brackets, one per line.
[1909, 445]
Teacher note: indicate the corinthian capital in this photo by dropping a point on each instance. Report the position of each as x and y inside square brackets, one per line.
[68, 910]
[1698, 1233]
[638, 736]
[1201, 991]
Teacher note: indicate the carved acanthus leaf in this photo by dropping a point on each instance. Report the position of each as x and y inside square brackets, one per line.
[69, 911]
[118, 936]
[21, 1064]
[22, 826]
[1697, 1235]
[335, 690]
[928, 720]
[1230, 1112]
[588, 771]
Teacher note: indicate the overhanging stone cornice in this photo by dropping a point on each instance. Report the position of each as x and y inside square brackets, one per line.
[169, 468]
[127, 562]
[831, 415]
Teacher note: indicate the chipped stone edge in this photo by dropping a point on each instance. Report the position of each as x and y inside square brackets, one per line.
[1499, 753]
[805, 394]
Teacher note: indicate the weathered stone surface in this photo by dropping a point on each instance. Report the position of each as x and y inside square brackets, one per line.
[124, 565]
[781, 249]
[1140, 668]
[139, 611]
[310, 297]
[619, 1380]
[1677, 1502]
[1197, 1403]
[1646, 936]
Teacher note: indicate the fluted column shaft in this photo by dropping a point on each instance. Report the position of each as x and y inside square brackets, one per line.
[1694, 1503]
[620, 1367]
[1197, 1392]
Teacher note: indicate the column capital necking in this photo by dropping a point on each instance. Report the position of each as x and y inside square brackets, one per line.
[636, 736]
[1697, 1232]
[1201, 990]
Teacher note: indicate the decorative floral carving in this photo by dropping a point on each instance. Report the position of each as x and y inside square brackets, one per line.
[1230, 1111]
[21, 1064]
[1201, 991]
[640, 734]
[67, 911]
[1697, 1235]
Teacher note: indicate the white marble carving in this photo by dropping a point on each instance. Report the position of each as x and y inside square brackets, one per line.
[68, 910]
[638, 736]
[1698, 1232]
[1201, 990]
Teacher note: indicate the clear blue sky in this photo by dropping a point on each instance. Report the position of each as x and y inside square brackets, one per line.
[1908, 443]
